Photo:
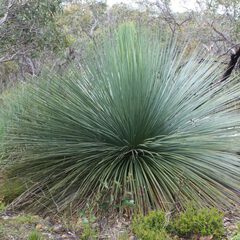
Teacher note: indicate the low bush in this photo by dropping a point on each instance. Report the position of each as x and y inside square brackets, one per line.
[203, 222]
[88, 232]
[27, 219]
[34, 235]
[11, 188]
[237, 233]
[236, 237]
[123, 236]
[150, 227]
[2, 206]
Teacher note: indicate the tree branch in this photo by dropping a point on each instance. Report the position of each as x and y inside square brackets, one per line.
[4, 18]
[231, 65]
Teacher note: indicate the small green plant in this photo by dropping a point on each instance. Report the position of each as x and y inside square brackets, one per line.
[88, 218]
[2, 206]
[2, 232]
[203, 222]
[123, 236]
[27, 219]
[11, 188]
[238, 227]
[236, 237]
[34, 235]
[237, 234]
[150, 227]
[89, 233]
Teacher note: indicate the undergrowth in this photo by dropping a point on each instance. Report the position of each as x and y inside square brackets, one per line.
[190, 223]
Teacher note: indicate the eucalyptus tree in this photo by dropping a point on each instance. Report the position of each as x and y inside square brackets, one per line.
[28, 28]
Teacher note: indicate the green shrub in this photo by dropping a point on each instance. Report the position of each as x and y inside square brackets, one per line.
[203, 222]
[89, 233]
[150, 227]
[141, 113]
[2, 206]
[237, 234]
[236, 237]
[26, 219]
[34, 235]
[123, 236]
[11, 189]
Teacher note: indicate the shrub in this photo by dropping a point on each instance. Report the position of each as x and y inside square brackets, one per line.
[89, 233]
[2, 206]
[237, 234]
[151, 226]
[11, 189]
[203, 222]
[236, 237]
[123, 236]
[27, 219]
[142, 114]
[34, 235]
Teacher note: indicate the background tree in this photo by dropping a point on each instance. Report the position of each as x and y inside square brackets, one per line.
[36, 33]
[27, 29]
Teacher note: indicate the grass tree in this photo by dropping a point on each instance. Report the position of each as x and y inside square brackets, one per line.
[145, 121]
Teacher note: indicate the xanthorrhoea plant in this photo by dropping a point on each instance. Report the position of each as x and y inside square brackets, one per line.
[142, 118]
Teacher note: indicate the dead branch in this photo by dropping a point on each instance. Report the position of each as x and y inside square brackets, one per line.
[4, 18]
[220, 33]
[231, 65]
